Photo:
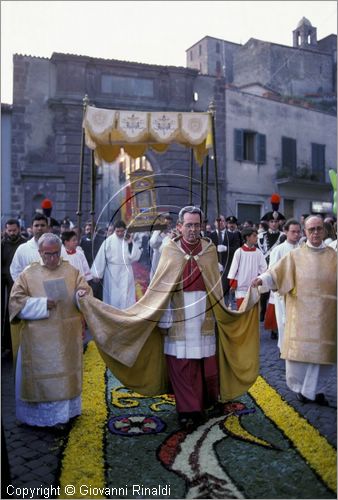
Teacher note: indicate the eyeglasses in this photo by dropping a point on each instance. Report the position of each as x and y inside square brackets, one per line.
[190, 225]
[51, 255]
[311, 230]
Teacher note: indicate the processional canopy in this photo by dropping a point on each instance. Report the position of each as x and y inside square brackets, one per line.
[107, 130]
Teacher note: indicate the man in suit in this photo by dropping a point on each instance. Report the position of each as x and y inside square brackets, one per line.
[206, 229]
[227, 239]
[9, 243]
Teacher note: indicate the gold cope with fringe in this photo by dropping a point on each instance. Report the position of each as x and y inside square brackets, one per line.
[131, 344]
[51, 348]
[308, 278]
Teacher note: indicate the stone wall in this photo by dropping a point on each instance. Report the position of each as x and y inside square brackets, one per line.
[225, 57]
[287, 70]
[6, 180]
[206, 61]
[47, 118]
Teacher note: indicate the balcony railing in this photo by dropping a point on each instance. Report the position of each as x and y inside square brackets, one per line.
[301, 173]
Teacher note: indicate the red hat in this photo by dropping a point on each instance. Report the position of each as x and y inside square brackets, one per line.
[46, 203]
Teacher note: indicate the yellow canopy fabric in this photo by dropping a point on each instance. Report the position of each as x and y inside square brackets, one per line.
[107, 130]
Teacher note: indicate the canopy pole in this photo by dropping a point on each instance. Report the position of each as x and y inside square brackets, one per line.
[202, 189]
[85, 101]
[191, 170]
[206, 186]
[93, 188]
[212, 110]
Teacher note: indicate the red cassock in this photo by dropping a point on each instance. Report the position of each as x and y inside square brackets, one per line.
[194, 381]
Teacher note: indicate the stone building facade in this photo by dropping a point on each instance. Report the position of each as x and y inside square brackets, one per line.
[6, 181]
[47, 124]
[280, 136]
[275, 145]
[308, 67]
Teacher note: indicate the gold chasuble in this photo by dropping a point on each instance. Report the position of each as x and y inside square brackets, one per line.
[51, 348]
[131, 344]
[308, 278]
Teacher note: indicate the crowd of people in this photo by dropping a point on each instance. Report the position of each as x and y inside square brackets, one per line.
[201, 295]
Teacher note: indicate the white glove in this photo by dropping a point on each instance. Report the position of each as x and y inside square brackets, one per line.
[220, 267]
[222, 248]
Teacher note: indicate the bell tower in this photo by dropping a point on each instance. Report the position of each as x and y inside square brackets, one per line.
[305, 35]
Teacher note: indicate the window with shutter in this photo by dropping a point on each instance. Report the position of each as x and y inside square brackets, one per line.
[260, 148]
[249, 146]
[239, 144]
[318, 161]
[289, 154]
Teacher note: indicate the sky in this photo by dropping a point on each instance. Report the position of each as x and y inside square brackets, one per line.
[153, 32]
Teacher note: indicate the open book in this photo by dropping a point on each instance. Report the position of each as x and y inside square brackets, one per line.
[56, 289]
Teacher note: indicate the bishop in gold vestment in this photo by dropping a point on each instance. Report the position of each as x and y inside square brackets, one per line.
[132, 342]
[49, 363]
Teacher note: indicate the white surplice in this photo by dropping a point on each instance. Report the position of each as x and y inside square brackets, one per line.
[23, 257]
[246, 266]
[279, 301]
[155, 243]
[333, 245]
[194, 345]
[79, 261]
[113, 264]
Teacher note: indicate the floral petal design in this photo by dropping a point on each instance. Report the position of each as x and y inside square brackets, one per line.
[135, 425]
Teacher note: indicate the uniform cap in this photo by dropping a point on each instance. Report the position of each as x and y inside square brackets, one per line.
[273, 216]
[232, 219]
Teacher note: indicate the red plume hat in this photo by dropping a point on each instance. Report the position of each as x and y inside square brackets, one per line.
[46, 206]
[46, 203]
[274, 214]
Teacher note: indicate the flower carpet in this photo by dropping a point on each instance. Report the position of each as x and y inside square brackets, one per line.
[260, 448]
[125, 445]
